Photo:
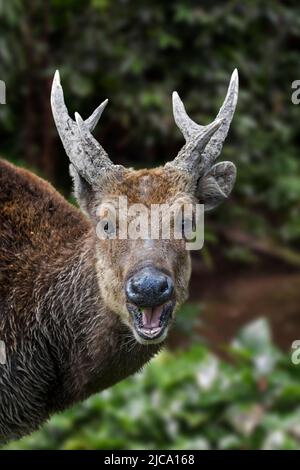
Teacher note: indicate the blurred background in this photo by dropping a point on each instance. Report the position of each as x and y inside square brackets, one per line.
[226, 379]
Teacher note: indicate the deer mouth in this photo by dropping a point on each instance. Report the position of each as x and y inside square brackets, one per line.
[150, 323]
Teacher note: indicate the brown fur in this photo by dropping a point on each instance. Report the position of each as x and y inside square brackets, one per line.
[75, 306]
[62, 303]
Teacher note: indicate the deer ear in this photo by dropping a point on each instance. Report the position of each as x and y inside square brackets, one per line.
[216, 185]
[82, 189]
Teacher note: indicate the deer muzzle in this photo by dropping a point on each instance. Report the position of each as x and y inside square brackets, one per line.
[150, 302]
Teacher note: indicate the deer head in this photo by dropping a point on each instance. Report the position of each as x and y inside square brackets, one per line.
[145, 280]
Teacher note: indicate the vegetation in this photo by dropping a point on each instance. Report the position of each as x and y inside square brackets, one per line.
[136, 54]
[190, 400]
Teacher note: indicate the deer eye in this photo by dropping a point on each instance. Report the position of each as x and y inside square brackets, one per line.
[108, 227]
[187, 227]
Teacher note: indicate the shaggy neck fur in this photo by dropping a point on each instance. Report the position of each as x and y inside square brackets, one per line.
[96, 349]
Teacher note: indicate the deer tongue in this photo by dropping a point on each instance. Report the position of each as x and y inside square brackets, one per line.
[151, 316]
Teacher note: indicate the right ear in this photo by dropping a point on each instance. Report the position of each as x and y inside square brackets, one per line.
[81, 188]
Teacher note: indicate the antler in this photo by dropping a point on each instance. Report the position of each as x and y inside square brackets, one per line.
[85, 153]
[203, 143]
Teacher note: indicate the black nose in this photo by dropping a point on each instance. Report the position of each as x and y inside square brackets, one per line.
[149, 287]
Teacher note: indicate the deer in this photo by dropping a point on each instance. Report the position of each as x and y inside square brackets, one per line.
[79, 313]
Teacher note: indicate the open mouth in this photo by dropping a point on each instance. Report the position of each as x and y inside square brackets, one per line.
[150, 323]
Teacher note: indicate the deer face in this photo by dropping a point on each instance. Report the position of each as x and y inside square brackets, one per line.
[144, 279]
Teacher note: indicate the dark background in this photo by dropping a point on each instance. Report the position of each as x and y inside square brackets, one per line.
[136, 54]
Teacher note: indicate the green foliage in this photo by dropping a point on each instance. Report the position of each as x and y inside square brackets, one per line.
[190, 400]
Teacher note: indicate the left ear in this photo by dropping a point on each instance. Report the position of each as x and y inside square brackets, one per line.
[216, 185]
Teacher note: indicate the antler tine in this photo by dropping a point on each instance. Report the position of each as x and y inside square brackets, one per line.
[196, 135]
[85, 153]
